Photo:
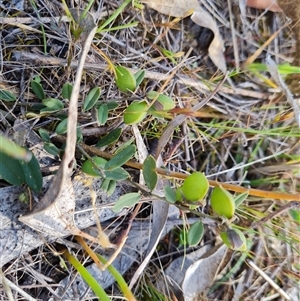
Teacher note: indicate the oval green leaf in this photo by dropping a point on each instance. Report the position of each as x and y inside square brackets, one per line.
[92, 168]
[125, 80]
[126, 201]
[121, 158]
[238, 200]
[51, 148]
[13, 150]
[44, 135]
[116, 174]
[37, 89]
[165, 101]
[170, 194]
[111, 105]
[62, 127]
[139, 76]
[195, 187]
[112, 137]
[136, 112]
[11, 170]
[7, 96]
[67, 91]
[32, 173]
[234, 239]
[102, 114]
[108, 186]
[222, 202]
[195, 233]
[149, 172]
[91, 99]
[52, 105]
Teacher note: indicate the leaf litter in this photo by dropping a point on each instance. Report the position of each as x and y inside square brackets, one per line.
[235, 143]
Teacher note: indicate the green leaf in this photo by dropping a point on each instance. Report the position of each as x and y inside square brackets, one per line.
[52, 105]
[33, 175]
[116, 174]
[234, 239]
[37, 88]
[238, 200]
[149, 172]
[195, 187]
[62, 127]
[139, 76]
[222, 202]
[112, 137]
[11, 170]
[125, 80]
[13, 150]
[91, 99]
[126, 201]
[165, 101]
[51, 148]
[102, 114]
[295, 215]
[112, 105]
[44, 135]
[136, 112]
[7, 96]
[108, 186]
[170, 194]
[121, 158]
[195, 233]
[89, 167]
[67, 91]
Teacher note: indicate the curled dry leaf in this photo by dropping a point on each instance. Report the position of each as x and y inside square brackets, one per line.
[264, 4]
[179, 8]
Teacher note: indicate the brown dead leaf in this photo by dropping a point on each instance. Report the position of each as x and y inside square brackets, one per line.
[179, 8]
[48, 215]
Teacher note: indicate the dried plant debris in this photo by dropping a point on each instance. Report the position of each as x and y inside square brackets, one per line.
[171, 139]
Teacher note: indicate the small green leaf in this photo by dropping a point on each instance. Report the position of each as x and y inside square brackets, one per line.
[149, 172]
[51, 148]
[89, 167]
[179, 194]
[102, 114]
[165, 101]
[108, 186]
[170, 194]
[37, 88]
[135, 112]
[33, 175]
[295, 215]
[126, 201]
[13, 150]
[125, 80]
[234, 239]
[121, 158]
[52, 105]
[62, 127]
[222, 202]
[91, 99]
[139, 76]
[7, 96]
[44, 135]
[195, 233]
[116, 174]
[67, 91]
[11, 170]
[111, 105]
[195, 187]
[240, 199]
[112, 137]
